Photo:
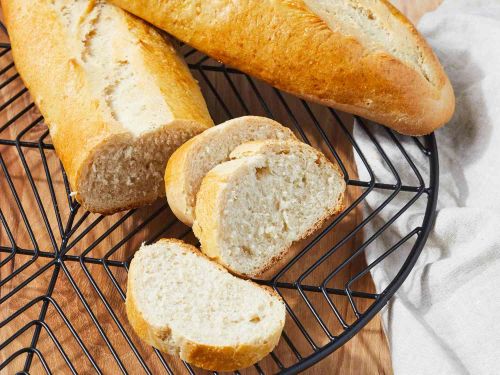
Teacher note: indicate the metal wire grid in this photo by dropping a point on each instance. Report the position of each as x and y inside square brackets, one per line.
[65, 231]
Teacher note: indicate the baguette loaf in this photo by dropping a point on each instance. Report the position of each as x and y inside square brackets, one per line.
[186, 305]
[250, 210]
[360, 56]
[117, 98]
[191, 162]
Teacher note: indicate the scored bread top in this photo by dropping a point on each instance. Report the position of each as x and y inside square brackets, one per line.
[379, 30]
[184, 304]
[102, 77]
[189, 164]
[360, 56]
[250, 210]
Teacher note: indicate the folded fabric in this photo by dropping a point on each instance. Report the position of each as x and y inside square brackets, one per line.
[445, 319]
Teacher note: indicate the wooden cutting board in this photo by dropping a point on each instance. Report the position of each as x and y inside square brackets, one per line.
[366, 353]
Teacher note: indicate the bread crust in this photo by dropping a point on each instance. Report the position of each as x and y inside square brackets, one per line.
[179, 166]
[208, 357]
[287, 45]
[211, 201]
[228, 358]
[175, 178]
[58, 82]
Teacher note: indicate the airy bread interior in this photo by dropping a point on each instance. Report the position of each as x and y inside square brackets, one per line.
[187, 299]
[202, 153]
[252, 209]
[126, 170]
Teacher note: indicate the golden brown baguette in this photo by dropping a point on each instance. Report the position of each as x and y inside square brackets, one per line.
[360, 56]
[116, 96]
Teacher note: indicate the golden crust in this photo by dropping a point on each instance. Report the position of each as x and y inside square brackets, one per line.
[214, 358]
[179, 165]
[210, 202]
[175, 182]
[290, 47]
[60, 87]
[228, 358]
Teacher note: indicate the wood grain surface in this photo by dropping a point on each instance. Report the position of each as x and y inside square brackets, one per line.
[88, 297]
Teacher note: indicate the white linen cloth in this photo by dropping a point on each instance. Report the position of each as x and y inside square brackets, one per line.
[445, 319]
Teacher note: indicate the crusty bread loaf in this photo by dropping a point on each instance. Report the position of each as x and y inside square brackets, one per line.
[184, 304]
[117, 98]
[361, 56]
[250, 210]
[191, 162]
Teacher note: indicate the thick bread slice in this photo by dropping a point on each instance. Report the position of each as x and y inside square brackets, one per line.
[116, 96]
[191, 162]
[250, 210]
[360, 56]
[184, 304]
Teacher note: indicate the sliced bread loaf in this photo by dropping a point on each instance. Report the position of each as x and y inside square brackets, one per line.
[117, 97]
[186, 305]
[189, 164]
[250, 210]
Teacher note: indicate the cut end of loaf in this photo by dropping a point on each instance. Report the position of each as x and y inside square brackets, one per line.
[125, 172]
[251, 210]
[184, 304]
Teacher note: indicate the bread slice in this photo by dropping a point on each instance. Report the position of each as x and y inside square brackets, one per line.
[360, 56]
[116, 96]
[184, 304]
[189, 164]
[250, 210]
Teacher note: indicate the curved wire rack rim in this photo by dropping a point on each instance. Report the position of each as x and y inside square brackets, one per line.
[385, 296]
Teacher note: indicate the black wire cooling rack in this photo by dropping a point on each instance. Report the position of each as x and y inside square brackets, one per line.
[63, 270]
